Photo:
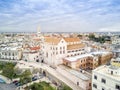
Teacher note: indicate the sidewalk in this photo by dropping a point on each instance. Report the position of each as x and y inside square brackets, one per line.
[55, 73]
[63, 79]
[5, 79]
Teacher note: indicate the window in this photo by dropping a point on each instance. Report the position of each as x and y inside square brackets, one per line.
[103, 89]
[60, 52]
[81, 61]
[94, 85]
[117, 87]
[95, 77]
[60, 48]
[89, 84]
[53, 53]
[111, 72]
[56, 53]
[46, 54]
[103, 80]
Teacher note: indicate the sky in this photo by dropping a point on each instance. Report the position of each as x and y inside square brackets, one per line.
[60, 15]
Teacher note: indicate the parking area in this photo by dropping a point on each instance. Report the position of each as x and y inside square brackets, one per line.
[7, 87]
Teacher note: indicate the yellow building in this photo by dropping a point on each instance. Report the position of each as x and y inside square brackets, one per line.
[115, 62]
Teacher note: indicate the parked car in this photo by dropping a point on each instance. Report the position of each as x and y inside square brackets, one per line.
[15, 81]
[18, 84]
[34, 78]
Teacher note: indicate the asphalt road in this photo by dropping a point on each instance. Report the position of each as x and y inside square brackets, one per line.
[7, 87]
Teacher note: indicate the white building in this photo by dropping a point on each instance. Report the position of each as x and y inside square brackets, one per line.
[33, 54]
[82, 79]
[55, 49]
[74, 47]
[11, 53]
[116, 40]
[106, 78]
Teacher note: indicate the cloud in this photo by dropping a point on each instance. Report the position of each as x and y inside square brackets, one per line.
[112, 28]
[59, 15]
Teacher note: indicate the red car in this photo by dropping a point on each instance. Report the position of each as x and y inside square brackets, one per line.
[16, 81]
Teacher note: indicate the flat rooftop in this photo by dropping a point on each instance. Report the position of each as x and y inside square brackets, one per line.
[75, 58]
[102, 70]
[99, 52]
[78, 74]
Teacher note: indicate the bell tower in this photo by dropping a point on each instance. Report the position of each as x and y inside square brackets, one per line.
[38, 31]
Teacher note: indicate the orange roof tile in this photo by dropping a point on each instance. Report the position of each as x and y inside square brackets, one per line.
[72, 39]
[36, 39]
[52, 40]
[75, 46]
[34, 48]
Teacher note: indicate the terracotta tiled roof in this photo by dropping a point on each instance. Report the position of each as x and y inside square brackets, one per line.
[75, 46]
[35, 48]
[72, 39]
[36, 39]
[52, 40]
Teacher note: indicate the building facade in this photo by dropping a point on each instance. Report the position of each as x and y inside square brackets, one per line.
[33, 54]
[107, 77]
[54, 50]
[57, 48]
[88, 61]
[11, 53]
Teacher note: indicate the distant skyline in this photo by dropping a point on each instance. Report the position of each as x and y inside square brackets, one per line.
[60, 15]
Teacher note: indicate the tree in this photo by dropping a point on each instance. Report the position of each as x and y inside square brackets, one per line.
[1, 65]
[100, 39]
[65, 87]
[8, 70]
[17, 70]
[26, 73]
[36, 86]
[41, 86]
[25, 77]
[80, 36]
[91, 36]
